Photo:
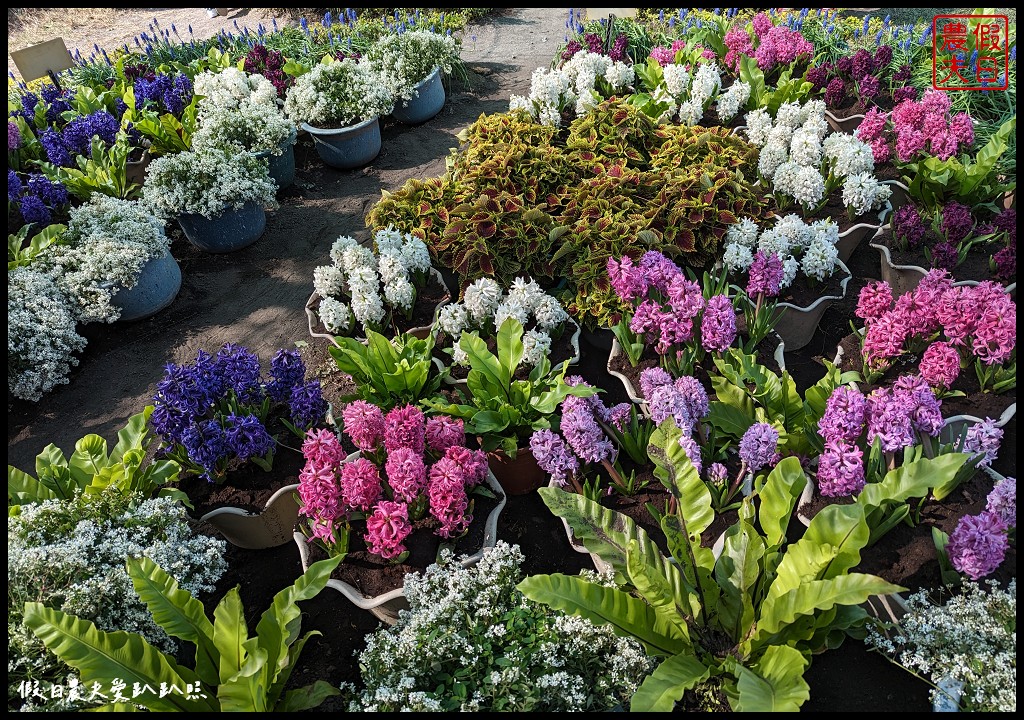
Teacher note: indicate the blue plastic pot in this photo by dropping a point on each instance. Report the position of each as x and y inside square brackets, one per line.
[427, 101]
[158, 285]
[231, 230]
[282, 167]
[348, 147]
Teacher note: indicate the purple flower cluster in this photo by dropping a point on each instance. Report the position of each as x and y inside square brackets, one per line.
[210, 411]
[889, 420]
[571, 49]
[840, 469]
[667, 55]
[164, 93]
[1005, 262]
[552, 455]
[1002, 501]
[684, 399]
[845, 415]
[944, 256]
[908, 226]
[718, 325]
[978, 545]
[77, 135]
[766, 275]
[758, 447]
[13, 136]
[269, 64]
[914, 128]
[957, 222]
[594, 43]
[583, 433]
[618, 51]
[776, 45]
[984, 439]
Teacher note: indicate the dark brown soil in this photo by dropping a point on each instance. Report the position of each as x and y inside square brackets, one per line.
[561, 350]
[888, 171]
[974, 267]
[373, 576]
[852, 105]
[803, 292]
[835, 211]
[248, 487]
[711, 119]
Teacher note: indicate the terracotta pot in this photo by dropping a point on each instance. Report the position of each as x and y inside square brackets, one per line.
[386, 607]
[269, 528]
[517, 476]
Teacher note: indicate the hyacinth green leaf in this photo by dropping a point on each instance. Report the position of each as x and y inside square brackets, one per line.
[779, 495]
[103, 657]
[774, 684]
[811, 596]
[177, 612]
[626, 615]
[664, 687]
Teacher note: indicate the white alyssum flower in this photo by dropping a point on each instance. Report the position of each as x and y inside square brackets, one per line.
[737, 257]
[335, 315]
[338, 94]
[107, 243]
[41, 336]
[459, 615]
[239, 111]
[970, 638]
[405, 59]
[232, 88]
[482, 298]
[536, 346]
[206, 182]
[820, 260]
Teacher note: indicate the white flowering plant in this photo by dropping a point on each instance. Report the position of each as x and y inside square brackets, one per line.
[802, 165]
[405, 59]
[485, 306]
[372, 288]
[576, 88]
[970, 640]
[206, 182]
[70, 555]
[471, 642]
[103, 250]
[338, 93]
[41, 334]
[810, 249]
[683, 91]
[239, 111]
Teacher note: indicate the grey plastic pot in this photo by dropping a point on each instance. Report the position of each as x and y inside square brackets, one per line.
[269, 528]
[796, 325]
[158, 284]
[851, 238]
[427, 101]
[232, 230]
[900, 194]
[844, 125]
[387, 606]
[348, 147]
[282, 166]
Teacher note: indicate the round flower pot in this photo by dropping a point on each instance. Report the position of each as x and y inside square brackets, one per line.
[282, 167]
[517, 476]
[427, 101]
[348, 147]
[844, 125]
[135, 170]
[956, 425]
[232, 230]
[796, 325]
[851, 238]
[270, 528]
[158, 284]
[317, 330]
[574, 340]
[387, 606]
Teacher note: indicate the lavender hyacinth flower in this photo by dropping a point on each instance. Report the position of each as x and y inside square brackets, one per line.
[693, 400]
[924, 406]
[845, 411]
[718, 325]
[1002, 501]
[978, 545]
[663, 402]
[581, 431]
[692, 450]
[984, 438]
[13, 136]
[652, 378]
[757, 447]
[718, 474]
[553, 456]
[840, 469]
[889, 420]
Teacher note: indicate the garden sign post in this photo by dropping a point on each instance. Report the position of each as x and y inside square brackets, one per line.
[46, 58]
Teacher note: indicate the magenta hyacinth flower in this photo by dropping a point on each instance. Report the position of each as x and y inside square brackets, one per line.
[387, 528]
[364, 424]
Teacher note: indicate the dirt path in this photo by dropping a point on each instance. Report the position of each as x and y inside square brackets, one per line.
[256, 296]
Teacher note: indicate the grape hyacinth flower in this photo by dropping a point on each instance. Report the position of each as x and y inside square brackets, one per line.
[978, 545]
